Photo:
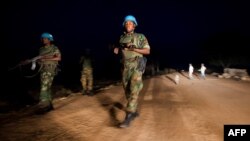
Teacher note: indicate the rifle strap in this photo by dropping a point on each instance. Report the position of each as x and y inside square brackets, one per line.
[31, 76]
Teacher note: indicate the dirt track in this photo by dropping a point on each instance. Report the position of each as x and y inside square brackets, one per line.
[194, 110]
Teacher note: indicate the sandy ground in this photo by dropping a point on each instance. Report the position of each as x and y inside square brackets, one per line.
[193, 110]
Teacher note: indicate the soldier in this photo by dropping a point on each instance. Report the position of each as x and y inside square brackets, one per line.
[87, 73]
[202, 70]
[49, 57]
[190, 71]
[133, 46]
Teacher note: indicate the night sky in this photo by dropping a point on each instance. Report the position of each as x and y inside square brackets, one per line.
[179, 32]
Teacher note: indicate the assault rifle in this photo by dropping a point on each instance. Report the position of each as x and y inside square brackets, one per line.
[126, 45]
[122, 46]
[28, 61]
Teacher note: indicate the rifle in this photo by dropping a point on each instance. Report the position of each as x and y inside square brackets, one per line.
[126, 45]
[122, 46]
[28, 61]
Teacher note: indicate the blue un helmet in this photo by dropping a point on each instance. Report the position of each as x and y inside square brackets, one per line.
[130, 18]
[48, 36]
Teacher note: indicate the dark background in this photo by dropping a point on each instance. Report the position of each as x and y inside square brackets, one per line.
[179, 32]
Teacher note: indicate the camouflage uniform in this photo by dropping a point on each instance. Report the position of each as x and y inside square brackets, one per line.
[47, 73]
[131, 75]
[86, 75]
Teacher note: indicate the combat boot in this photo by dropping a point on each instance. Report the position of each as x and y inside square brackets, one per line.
[84, 92]
[90, 93]
[129, 117]
[44, 109]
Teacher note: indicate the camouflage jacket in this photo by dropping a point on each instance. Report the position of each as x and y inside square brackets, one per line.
[49, 50]
[138, 40]
[86, 62]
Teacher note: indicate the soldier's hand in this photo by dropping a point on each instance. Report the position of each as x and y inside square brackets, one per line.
[131, 49]
[116, 50]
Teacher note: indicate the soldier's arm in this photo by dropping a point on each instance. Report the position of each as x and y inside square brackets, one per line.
[55, 57]
[144, 46]
[143, 51]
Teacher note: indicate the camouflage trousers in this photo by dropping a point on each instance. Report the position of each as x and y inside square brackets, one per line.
[46, 79]
[132, 84]
[87, 79]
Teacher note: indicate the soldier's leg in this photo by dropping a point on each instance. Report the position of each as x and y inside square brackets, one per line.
[126, 76]
[51, 78]
[135, 87]
[46, 79]
[84, 81]
[90, 81]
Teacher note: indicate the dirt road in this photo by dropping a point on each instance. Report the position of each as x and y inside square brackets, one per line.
[194, 110]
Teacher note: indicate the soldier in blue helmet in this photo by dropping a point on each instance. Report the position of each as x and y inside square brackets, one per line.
[133, 46]
[50, 55]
